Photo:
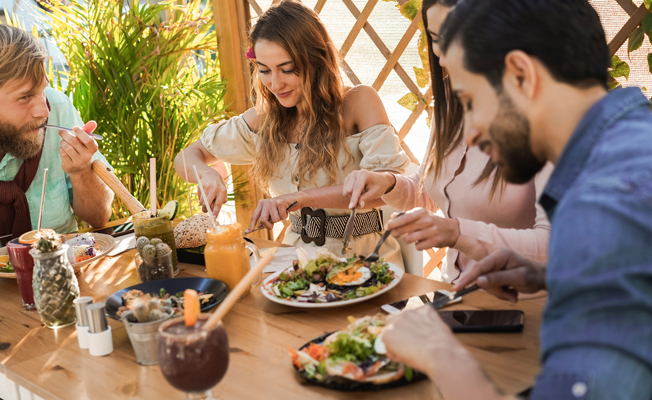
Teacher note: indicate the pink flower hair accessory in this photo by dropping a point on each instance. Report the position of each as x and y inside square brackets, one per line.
[251, 55]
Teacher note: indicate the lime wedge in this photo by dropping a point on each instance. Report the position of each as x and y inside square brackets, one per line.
[170, 210]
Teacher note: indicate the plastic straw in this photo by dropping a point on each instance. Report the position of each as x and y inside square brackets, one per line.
[152, 186]
[185, 169]
[40, 213]
[240, 288]
[203, 194]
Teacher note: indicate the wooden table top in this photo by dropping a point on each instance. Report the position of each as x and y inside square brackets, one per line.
[50, 364]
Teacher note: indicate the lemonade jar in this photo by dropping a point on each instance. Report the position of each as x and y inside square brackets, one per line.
[227, 255]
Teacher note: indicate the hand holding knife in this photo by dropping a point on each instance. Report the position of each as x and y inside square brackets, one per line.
[262, 226]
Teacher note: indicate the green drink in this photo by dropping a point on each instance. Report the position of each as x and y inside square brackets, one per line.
[157, 227]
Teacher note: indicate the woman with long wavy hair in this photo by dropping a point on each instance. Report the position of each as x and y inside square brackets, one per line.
[307, 130]
[481, 211]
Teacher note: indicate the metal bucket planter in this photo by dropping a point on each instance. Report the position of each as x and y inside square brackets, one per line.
[144, 338]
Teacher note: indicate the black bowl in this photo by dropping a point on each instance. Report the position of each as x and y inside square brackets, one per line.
[218, 289]
[347, 385]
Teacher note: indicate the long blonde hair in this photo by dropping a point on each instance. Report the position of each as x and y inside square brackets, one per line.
[298, 30]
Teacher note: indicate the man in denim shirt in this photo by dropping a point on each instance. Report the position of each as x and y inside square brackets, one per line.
[532, 77]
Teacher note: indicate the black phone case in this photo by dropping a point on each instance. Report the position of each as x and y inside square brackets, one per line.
[488, 328]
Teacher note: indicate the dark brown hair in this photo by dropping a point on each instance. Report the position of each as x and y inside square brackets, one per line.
[448, 113]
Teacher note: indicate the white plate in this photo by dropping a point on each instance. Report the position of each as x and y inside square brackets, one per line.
[4, 252]
[266, 288]
[105, 243]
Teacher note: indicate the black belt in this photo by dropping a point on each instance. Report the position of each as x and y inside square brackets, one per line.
[316, 226]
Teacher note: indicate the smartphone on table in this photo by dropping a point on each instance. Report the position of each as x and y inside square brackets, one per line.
[462, 321]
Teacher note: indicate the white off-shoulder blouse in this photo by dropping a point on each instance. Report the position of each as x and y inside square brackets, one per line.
[375, 149]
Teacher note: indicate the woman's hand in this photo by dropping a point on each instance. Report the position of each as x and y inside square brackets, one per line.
[425, 229]
[363, 186]
[271, 211]
[215, 190]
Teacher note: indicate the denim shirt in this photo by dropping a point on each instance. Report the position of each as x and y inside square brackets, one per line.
[596, 333]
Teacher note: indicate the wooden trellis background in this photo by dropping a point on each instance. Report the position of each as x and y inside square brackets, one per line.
[233, 19]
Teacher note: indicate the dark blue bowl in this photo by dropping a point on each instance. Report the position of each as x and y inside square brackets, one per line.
[218, 289]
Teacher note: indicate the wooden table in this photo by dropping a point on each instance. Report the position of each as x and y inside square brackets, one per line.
[50, 364]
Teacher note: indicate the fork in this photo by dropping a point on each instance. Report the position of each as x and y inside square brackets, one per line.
[93, 135]
[373, 257]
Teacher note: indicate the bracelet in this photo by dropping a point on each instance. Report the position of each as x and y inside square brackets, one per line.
[393, 185]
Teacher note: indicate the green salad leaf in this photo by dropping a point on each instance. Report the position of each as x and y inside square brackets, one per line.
[7, 268]
[348, 349]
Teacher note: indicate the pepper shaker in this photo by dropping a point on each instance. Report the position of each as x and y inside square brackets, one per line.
[100, 341]
[82, 320]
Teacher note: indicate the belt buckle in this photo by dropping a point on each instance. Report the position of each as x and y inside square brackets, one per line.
[319, 213]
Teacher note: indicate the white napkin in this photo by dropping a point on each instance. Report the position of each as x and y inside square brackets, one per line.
[282, 259]
[122, 244]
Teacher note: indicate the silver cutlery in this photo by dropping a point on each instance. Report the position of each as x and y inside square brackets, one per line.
[439, 303]
[348, 231]
[93, 135]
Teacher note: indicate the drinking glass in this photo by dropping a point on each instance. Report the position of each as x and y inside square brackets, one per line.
[192, 360]
[157, 227]
[23, 264]
[227, 255]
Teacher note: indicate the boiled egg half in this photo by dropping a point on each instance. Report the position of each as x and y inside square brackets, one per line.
[357, 275]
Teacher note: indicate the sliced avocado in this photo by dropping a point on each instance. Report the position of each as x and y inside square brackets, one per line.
[170, 210]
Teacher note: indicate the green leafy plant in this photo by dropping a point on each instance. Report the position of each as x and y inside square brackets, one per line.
[620, 68]
[410, 9]
[149, 75]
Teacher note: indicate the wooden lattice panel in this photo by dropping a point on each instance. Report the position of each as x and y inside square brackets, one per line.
[235, 12]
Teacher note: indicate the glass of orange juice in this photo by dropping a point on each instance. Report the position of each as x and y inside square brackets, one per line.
[227, 255]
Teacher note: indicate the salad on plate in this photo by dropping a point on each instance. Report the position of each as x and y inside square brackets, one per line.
[355, 354]
[326, 278]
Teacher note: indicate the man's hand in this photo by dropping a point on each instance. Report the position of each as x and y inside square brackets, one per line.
[415, 337]
[421, 340]
[274, 210]
[215, 189]
[505, 273]
[363, 186]
[77, 150]
[425, 229]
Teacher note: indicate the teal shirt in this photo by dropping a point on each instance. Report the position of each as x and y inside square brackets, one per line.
[57, 208]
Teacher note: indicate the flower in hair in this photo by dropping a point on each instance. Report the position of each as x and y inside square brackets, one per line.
[251, 55]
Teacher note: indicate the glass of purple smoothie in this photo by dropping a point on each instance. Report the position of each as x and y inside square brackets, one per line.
[192, 360]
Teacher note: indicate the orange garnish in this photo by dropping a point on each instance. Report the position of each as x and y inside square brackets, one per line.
[191, 307]
[31, 236]
[316, 351]
[295, 358]
[3, 261]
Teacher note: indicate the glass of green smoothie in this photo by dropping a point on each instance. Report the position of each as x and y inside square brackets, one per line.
[157, 227]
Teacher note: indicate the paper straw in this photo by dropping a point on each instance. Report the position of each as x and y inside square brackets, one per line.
[40, 213]
[203, 194]
[152, 186]
[240, 288]
[185, 169]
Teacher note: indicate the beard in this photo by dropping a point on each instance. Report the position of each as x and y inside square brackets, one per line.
[510, 133]
[21, 142]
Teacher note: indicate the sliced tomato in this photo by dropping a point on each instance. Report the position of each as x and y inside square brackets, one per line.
[351, 369]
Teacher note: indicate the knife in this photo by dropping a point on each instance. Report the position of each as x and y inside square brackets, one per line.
[348, 231]
[439, 303]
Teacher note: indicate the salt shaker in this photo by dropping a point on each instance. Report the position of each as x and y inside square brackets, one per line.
[100, 341]
[82, 320]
